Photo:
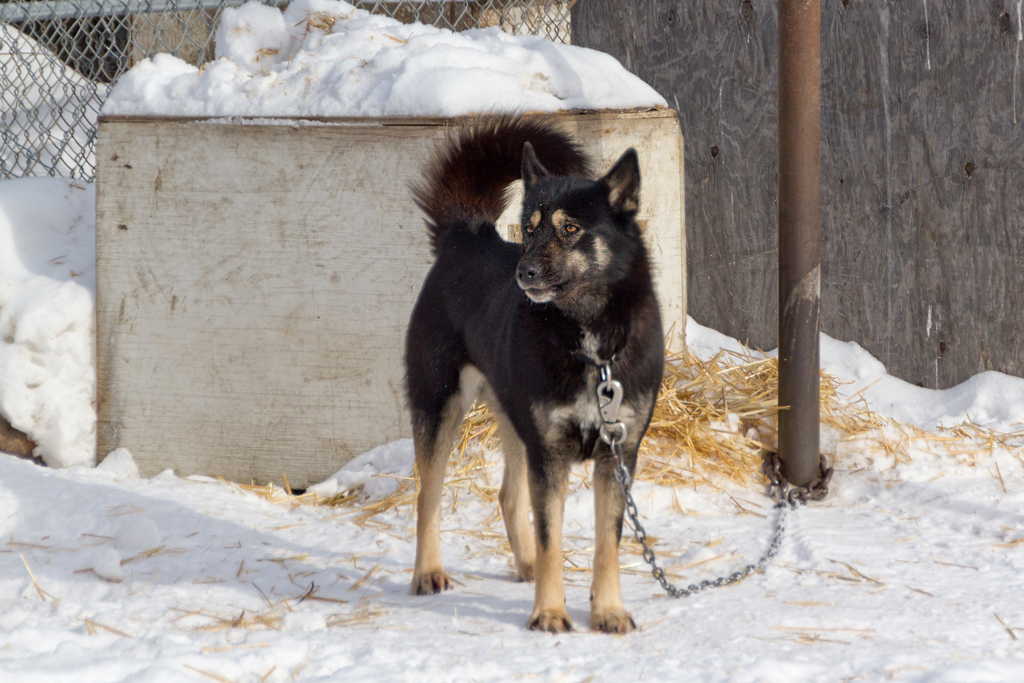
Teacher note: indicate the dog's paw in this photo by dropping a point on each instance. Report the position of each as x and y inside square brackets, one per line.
[550, 620]
[617, 621]
[429, 583]
[525, 573]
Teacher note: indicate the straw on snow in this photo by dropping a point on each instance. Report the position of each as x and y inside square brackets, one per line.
[711, 423]
[713, 418]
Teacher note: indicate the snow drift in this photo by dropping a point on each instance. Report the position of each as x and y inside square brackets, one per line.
[327, 58]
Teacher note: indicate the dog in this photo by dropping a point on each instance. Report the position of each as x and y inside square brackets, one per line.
[527, 327]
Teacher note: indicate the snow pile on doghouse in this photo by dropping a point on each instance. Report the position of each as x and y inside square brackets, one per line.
[327, 58]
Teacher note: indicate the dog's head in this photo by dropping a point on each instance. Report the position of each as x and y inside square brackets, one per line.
[580, 236]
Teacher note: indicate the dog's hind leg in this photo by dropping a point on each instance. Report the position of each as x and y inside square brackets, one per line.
[433, 437]
[514, 497]
[547, 495]
[606, 611]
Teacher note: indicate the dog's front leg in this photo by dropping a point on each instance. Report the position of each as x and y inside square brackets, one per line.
[547, 494]
[606, 611]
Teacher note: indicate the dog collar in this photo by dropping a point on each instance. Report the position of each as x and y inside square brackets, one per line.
[589, 360]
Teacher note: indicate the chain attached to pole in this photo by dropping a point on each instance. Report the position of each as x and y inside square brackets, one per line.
[613, 432]
[780, 491]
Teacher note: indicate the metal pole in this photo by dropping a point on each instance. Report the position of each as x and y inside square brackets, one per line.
[799, 237]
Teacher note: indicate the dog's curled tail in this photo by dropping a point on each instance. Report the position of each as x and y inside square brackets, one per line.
[466, 180]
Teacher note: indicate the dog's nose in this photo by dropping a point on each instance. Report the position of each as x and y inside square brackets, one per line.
[527, 272]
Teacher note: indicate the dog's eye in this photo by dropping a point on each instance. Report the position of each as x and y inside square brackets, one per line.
[571, 227]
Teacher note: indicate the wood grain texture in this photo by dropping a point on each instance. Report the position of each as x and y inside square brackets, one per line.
[922, 169]
[254, 283]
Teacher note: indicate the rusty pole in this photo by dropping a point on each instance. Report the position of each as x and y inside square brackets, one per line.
[799, 237]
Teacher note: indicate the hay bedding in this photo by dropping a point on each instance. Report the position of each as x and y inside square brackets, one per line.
[711, 422]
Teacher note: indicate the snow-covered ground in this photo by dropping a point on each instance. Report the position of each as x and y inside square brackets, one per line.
[906, 572]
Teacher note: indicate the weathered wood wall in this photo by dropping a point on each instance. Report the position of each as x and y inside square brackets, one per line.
[922, 169]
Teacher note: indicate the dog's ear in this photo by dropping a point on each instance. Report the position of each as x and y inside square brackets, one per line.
[533, 170]
[623, 183]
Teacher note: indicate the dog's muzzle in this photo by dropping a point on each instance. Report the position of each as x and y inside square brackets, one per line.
[530, 280]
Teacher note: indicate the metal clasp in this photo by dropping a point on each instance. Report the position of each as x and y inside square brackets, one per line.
[609, 398]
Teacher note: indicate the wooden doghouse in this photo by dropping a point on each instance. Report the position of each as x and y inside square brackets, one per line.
[255, 278]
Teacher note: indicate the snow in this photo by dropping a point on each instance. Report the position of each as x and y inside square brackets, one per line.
[136, 535]
[120, 464]
[378, 471]
[47, 331]
[326, 58]
[107, 565]
[993, 399]
[898, 575]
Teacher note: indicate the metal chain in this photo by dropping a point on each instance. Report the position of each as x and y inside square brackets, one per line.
[816, 489]
[613, 433]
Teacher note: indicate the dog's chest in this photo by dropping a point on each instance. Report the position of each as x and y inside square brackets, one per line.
[571, 424]
[581, 413]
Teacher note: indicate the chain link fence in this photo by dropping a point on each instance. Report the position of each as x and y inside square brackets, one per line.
[59, 57]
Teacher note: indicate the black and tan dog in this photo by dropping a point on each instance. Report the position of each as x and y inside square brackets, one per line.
[526, 326]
